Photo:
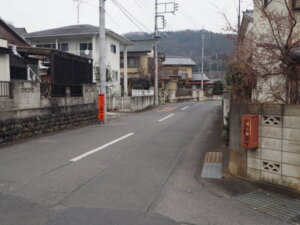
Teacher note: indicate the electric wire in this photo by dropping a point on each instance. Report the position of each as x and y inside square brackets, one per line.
[106, 13]
[143, 8]
[135, 21]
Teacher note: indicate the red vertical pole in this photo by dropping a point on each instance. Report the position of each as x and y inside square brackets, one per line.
[101, 108]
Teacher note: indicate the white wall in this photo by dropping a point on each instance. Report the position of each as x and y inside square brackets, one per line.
[4, 63]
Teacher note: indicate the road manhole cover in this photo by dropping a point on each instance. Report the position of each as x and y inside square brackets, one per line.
[271, 204]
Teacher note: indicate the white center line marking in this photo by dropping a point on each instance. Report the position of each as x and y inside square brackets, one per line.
[100, 148]
[167, 117]
[185, 107]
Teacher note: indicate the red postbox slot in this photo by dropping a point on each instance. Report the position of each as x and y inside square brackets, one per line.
[249, 136]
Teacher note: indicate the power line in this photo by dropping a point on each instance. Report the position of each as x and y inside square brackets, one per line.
[137, 23]
[106, 13]
[143, 8]
[147, 4]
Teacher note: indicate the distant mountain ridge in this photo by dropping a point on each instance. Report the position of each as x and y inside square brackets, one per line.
[189, 43]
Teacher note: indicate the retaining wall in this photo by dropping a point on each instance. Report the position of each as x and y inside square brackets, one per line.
[28, 113]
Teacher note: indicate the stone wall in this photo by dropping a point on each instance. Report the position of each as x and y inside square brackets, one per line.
[28, 113]
[44, 121]
[277, 160]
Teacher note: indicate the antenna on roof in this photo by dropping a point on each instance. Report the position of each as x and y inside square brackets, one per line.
[78, 9]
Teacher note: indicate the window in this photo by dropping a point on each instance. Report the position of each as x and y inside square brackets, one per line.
[113, 49]
[86, 46]
[296, 4]
[46, 46]
[86, 50]
[133, 62]
[63, 47]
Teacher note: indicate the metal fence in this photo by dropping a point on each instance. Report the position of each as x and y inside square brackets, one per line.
[5, 89]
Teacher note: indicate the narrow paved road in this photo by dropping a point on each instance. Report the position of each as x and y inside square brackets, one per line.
[138, 169]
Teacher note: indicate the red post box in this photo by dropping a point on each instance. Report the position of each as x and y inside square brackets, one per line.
[101, 108]
[249, 137]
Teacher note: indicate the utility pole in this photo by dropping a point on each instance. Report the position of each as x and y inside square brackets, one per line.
[156, 37]
[168, 7]
[202, 63]
[102, 52]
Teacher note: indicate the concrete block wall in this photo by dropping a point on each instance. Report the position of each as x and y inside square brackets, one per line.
[277, 160]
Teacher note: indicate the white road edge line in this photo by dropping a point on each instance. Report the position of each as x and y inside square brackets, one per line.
[185, 108]
[100, 148]
[167, 117]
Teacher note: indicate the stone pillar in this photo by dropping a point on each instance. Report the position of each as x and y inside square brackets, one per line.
[201, 95]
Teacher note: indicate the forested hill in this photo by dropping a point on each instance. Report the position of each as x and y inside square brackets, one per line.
[188, 43]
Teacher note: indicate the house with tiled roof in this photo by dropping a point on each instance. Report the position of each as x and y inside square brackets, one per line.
[140, 58]
[175, 72]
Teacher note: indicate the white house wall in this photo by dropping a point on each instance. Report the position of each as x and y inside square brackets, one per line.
[4, 63]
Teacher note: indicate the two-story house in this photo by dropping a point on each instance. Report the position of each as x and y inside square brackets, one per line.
[269, 45]
[175, 72]
[83, 40]
[139, 57]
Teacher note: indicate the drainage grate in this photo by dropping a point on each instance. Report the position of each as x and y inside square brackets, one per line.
[212, 167]
[273, 205]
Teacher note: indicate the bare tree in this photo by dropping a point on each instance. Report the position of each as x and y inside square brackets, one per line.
[267, 57]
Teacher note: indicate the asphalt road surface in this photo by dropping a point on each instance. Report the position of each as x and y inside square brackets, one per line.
[137, 169]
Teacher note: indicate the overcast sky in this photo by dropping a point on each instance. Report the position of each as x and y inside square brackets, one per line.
[38, 15]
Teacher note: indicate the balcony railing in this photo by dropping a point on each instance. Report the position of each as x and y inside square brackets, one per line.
[5, 89]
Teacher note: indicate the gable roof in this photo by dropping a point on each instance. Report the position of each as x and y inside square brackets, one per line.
[141, 46]
[8, 33]
[21, 31]
[74, 30]
[178, 61]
